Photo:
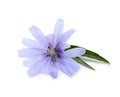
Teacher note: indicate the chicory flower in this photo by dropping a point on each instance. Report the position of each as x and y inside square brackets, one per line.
[47, 55]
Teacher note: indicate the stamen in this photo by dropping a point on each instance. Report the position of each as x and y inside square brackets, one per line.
[51, 53]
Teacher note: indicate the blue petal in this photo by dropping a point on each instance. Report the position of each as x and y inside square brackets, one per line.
[76, 52]
[54, 70]
[31, 43]
[36, 69]
[32, 61]
[50, 39]
[29, 52]
[37, 33]
[44, 66]
[60, 44]
[66, 35]
[68, 66]
[57, 31]
[59, 27]
[63, 45]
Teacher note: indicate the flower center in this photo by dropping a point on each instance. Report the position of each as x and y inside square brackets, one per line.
[52, 53]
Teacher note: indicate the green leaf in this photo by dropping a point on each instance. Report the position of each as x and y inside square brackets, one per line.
[91, 54]
[94, 55]
[72, 46]
[80, 61]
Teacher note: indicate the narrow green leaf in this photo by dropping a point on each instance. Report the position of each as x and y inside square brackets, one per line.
[94, 55]
[80, 61]
[91, 54]
[72, 46]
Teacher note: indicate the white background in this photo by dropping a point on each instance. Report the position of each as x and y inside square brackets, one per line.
[98, 26]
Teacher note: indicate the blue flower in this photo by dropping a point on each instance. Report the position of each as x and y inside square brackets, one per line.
[47, 55]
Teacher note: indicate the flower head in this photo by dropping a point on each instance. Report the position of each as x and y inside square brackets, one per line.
[48, 55]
